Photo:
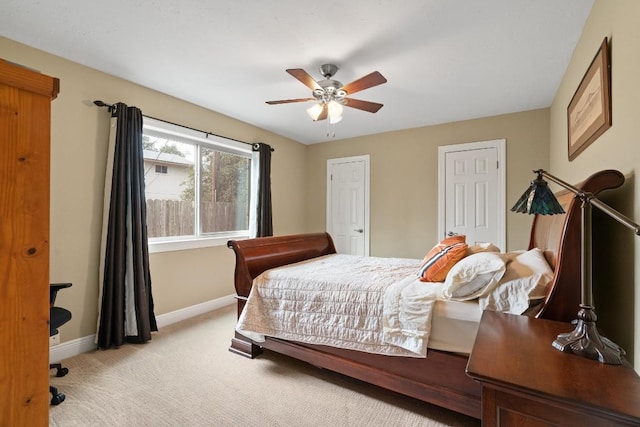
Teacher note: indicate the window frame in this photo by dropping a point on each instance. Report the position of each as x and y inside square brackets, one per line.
[162, 129]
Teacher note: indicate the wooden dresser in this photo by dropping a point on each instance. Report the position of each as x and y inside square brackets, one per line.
[25, 127]
[526, 382]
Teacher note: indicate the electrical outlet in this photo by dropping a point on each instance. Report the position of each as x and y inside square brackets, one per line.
[54, 339]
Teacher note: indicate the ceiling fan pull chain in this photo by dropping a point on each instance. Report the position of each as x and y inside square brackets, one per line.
[331, 131]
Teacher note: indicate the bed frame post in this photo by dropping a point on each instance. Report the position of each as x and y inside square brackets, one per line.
[239, 343]
[244, 347]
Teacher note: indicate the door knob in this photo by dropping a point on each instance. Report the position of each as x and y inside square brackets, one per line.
[359, 230]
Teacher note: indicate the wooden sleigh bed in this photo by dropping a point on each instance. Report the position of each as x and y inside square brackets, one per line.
[440, 378]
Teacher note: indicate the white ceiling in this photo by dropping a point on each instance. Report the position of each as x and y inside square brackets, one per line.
[445, 60]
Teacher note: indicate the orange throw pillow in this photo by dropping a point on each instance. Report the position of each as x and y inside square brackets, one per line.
[442, 257]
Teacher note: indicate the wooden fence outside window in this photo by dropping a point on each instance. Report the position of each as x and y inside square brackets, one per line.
[166, 218]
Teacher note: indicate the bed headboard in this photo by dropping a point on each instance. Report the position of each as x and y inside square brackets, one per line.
[559, 237]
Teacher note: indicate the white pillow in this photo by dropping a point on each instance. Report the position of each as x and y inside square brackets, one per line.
[473, 276]
[526, 278]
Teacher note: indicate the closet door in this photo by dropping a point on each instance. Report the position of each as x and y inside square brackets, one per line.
[25, 110]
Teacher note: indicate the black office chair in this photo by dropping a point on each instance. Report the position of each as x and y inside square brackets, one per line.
[58, 316]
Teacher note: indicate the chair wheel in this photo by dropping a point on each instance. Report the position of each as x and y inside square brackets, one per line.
[57, 398]
[61, 372]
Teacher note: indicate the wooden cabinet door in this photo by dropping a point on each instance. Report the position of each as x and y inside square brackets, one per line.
[25, 99]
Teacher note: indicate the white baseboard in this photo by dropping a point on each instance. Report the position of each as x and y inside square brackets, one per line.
[71, 348]
[193, 311]
[82, 345]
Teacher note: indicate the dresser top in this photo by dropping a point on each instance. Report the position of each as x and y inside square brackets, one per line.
[515, 353]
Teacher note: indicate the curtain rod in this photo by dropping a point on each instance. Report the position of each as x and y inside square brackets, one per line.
[111, 107]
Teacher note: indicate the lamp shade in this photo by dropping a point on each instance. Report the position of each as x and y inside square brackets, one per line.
[538, 199]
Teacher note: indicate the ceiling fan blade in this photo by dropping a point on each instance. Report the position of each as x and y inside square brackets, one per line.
[304, 77]
[371, 107]
[370, 80]
[288, 101]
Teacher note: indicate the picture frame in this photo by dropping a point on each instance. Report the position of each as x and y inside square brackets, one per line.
[589, 112]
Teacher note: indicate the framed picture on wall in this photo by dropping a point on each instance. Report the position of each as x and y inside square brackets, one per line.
[589, 112]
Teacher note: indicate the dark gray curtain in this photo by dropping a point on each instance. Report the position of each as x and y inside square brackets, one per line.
[264, 219]
[126, 305]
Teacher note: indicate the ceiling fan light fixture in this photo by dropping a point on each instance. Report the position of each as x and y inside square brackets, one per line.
[334, 110]
[314, 111]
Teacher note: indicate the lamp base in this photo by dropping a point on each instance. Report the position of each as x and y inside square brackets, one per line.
[585, 340]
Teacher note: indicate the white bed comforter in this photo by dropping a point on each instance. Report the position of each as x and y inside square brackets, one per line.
[370, 304]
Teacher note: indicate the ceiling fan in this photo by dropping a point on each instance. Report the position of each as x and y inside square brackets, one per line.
[331, 95]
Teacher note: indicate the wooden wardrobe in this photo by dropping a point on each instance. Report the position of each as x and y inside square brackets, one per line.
[25, 128]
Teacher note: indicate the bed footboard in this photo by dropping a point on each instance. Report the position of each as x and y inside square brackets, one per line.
[253, 256]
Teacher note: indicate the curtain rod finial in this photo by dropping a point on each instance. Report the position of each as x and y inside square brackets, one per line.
[100, 103]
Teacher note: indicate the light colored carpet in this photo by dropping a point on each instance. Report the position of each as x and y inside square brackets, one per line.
[187, 377]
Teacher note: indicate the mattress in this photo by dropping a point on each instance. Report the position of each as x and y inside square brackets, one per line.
[454, 325]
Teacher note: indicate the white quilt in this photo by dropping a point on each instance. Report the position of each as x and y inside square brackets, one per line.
[370, 304]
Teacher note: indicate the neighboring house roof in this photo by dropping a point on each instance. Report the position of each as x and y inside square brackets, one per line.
[168, 158]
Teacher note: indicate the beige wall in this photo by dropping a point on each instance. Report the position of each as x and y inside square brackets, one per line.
[404, 176]
[78, 152]
[616, 279]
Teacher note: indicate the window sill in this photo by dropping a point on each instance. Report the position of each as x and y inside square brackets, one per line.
[185, 243]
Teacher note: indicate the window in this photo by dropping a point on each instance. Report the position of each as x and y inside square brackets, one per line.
[205, 199]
